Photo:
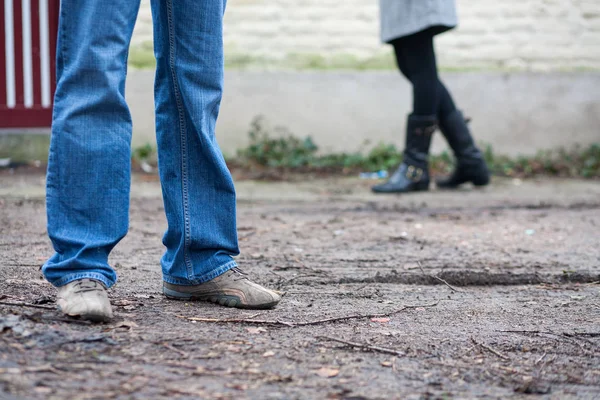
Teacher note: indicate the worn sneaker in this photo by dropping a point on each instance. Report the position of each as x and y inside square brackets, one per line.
[232, 289]
[85, 298]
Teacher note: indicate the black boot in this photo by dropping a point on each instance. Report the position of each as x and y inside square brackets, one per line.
[413, 174]
[470, 165]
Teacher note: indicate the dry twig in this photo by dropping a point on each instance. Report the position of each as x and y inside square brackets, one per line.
[491, 350]
[296, 324]
[247, 235]
[438, 278]
[69, 320]
[34, 369]
[539, 360]
[364, 346]
[359, 316]
[237, 320]
[581, 334]
[568, 336]
[176, 350]
[20, 304]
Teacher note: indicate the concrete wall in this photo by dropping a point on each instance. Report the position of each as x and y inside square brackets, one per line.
[517, 34]
[518, 113]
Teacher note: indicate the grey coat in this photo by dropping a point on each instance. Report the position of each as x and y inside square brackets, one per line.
[401, 18]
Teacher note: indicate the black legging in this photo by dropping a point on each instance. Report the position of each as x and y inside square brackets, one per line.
[415, 56]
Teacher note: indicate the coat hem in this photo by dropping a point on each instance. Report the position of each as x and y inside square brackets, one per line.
[437, 28]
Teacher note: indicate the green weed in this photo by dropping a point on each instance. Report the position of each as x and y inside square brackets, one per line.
[284, 150]
[279, 149]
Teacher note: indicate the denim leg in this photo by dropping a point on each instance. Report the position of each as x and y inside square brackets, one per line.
[87, 197]
[198, 191]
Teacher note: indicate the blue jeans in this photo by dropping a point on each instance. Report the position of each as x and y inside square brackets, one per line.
[89, 176]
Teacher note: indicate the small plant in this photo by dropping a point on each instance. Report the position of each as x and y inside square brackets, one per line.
[143, 153]
[576, 162]
[144, 157]
[286, 151]
[382, 156]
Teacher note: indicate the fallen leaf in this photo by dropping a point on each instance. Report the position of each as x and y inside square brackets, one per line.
[40, 368]
[277, 378]
[233, 349]
[237, 386]
[256, 331]
[380, 320]
[200, 370]
[326, 372]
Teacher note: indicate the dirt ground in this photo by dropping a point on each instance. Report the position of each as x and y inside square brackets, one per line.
[489, 293]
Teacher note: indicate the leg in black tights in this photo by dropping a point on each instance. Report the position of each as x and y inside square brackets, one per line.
[416, 60]
[415, 56]
[432, 102]
[446, 104]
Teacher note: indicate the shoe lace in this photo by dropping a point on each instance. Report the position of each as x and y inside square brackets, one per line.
[238, 274]
[86, 286]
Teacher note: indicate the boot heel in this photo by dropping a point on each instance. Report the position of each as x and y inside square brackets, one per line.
[481, 181]
[421, 186]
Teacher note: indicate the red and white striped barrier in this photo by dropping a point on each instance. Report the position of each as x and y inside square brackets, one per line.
[27, 62]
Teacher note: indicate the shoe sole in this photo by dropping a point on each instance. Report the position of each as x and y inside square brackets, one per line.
[419, 188]
[92, 317]
[222, 300]
[481, 183]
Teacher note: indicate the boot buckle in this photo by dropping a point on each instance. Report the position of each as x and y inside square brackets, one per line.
[414, 174]
[427, 130]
